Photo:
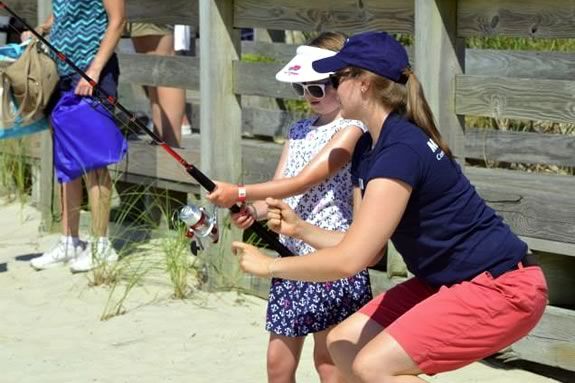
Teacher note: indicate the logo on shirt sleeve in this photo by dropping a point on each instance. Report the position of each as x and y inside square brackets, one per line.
[434, 148]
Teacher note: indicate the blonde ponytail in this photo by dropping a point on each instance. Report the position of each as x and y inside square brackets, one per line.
[418, 111]
[408, 100]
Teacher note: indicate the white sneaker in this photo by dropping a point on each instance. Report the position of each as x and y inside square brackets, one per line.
[63, 252]
[94, 255]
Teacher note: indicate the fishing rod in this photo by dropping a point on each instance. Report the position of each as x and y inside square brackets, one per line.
[200, 177]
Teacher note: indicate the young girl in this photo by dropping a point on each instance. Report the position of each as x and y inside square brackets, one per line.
[476, 288]
[87, 32]
[314, 173]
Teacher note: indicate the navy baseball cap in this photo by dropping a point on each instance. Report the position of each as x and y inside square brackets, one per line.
[376, 52]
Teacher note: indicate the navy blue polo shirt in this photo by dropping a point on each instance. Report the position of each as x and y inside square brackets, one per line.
[447, 233]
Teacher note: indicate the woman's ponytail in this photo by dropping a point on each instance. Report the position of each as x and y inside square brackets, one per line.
[418, 111]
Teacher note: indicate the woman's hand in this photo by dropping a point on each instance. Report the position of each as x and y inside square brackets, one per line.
[282, 219]
[224, 195]
[252, 260]
[84, 88]
[26, 35]
[245, 218]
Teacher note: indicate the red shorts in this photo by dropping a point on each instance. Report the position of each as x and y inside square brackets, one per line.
[447, 328]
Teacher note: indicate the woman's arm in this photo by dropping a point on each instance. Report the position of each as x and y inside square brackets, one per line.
[42, 29]
[332, 157]
[116, 23]
[381, 210]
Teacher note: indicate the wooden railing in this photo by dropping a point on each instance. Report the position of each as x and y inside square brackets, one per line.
[501, 84]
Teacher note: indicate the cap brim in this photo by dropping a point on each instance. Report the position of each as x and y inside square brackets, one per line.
[299, 69]
[329, 64]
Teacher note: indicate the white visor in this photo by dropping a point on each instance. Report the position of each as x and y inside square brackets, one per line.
[299, 68]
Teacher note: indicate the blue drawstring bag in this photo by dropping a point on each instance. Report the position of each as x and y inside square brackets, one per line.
[86, 137]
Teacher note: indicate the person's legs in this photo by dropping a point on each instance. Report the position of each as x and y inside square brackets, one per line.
[71, 205]
[346, 340]
[324, 365]
[283, 357]
[448, 330]
[167, 103]
[69, 247]
[99, 184]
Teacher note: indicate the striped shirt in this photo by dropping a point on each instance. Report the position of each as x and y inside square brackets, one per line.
[78, 29]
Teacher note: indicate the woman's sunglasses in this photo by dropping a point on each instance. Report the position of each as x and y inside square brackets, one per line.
[336, 78]
[316, 89]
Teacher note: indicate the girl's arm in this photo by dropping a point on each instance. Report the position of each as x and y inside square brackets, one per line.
[332, 157]
[259, 209]
[116, 23]
[381, 210]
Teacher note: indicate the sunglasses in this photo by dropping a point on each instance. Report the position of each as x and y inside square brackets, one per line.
[316, 89]
[337, 78]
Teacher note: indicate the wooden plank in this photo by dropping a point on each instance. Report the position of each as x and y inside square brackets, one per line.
[552, 342]
[259, 287]
[437, 46]
[524, 147]
[167, 12]
[26, 9]
[258, 79]
[533, 205]
[484, 62]
[520, 64]
[155, 70]
[325, 15]
[119, 175]
[258, 162]
[501, 97]
[153, 161]
[539, 244]
[279, 52]
[265, 122]
[529, 18]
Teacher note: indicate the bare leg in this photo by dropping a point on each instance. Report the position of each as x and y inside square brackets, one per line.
[324, 365]
[100, 192]
[364, 352]
[283, 358]
[71, 205]
[167, 103]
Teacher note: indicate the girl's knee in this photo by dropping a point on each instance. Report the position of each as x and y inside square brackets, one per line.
[281, 364]
[280, 369]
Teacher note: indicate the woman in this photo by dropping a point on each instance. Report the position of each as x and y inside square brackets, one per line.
[92, 50]
[475, 289]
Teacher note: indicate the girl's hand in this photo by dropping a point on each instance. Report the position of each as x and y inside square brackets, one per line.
[224, 195]
[245, 218]
[84, 88]
[282, 219]
[252, 260]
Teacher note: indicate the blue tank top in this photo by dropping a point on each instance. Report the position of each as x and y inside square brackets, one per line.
[78, 29]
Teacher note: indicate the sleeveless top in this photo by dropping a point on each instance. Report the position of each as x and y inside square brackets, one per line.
[78, 29]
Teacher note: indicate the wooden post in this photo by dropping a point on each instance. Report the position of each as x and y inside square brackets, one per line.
[439, 57]
[220, 120]
[44, 172]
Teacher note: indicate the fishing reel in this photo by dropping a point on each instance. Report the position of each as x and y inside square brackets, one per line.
[199, 224]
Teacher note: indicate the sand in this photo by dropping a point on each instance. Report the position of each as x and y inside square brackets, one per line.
[50, 327]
